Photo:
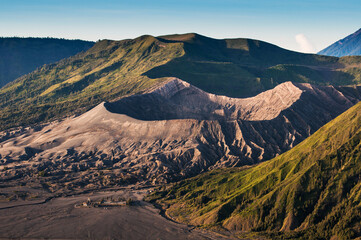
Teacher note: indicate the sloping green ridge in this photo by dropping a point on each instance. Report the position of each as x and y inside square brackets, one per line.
[109, 70]
[312, 191]
[20, 56]
[113, 69]
[246, 67]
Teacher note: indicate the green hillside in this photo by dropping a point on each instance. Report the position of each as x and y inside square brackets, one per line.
[109, 70]
[246, 67]
[20, 56]
[112, 69]
[312, 191]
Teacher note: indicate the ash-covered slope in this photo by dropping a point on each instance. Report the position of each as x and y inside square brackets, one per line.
[177, 99]
[312, 191]
[174, 131]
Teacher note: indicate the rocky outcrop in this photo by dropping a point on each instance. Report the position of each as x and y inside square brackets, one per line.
[173, 131]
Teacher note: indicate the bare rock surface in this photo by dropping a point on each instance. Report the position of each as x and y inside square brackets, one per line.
[171, 132]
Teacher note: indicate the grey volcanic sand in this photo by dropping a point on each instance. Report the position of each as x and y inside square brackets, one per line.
[59, 219]
[172, 132]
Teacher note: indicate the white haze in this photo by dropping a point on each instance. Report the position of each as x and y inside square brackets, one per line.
[304, 44]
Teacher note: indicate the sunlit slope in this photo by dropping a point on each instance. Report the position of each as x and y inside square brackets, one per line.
[113, 69]
[109, 70]
[313, 189]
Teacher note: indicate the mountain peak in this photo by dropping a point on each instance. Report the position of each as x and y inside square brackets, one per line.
[180, 37]
[348, 46]
[113, 69]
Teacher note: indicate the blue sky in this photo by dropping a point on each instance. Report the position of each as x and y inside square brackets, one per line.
[302, 25]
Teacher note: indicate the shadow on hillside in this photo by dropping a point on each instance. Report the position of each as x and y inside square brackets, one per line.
[239, 67]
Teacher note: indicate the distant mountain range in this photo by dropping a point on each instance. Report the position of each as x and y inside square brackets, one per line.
[19, 56]
[312, 191]
[349, 46]
[154, 110]
[113, 69]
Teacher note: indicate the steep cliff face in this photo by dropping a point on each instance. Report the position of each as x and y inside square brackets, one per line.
[173, 131]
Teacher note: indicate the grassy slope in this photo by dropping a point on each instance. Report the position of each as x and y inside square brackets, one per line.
[20, 56]
[247, 67]
[112, 69]
[314, 189]
[107, 71]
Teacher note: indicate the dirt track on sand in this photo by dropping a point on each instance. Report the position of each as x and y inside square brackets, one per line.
[59, 219]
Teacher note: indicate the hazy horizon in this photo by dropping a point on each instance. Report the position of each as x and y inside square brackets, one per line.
[307, 26]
